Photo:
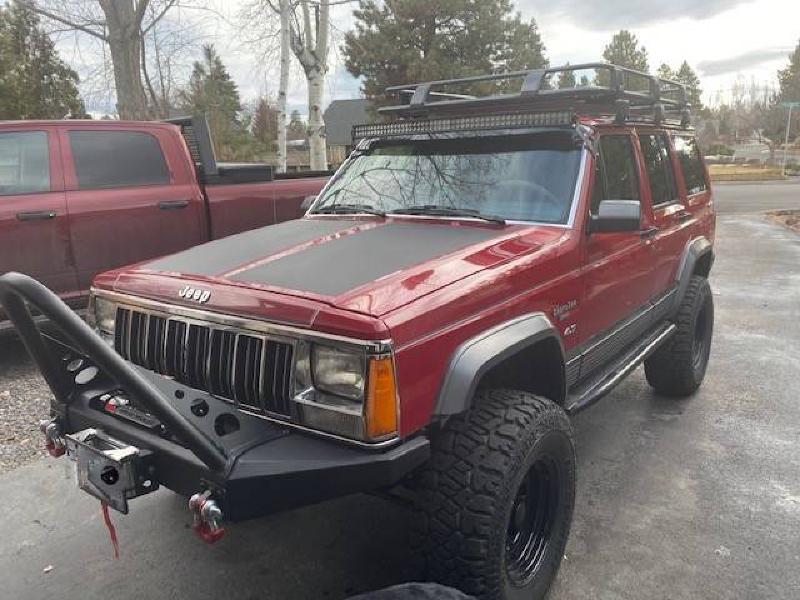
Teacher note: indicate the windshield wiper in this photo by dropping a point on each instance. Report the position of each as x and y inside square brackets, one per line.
[348, 209]
[444, 211]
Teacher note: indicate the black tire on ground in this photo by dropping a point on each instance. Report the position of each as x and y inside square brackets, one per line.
[678, 367]
[495, 501]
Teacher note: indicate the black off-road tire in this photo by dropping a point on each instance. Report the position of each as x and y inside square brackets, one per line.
[472, 520]
[678, 367]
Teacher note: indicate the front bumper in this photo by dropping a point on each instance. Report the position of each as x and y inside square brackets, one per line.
[251, 466]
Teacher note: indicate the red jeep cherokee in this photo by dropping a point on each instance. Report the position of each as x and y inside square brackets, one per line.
[479, 269]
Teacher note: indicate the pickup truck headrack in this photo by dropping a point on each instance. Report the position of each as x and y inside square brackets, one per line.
[196, 133]
[614, 92]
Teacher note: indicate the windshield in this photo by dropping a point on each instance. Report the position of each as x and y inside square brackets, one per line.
[522, 178]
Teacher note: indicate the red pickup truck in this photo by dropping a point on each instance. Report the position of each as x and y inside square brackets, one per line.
[81, 197]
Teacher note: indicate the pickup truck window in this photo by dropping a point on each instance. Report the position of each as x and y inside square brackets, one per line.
[615, 176]
[693, 172]
[659, 169]
[114, 159]
[24, 163]
[524, 178]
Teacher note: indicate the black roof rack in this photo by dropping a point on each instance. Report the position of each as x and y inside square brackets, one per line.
[625, 95]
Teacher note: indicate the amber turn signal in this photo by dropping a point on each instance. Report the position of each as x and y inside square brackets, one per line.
[382, 418]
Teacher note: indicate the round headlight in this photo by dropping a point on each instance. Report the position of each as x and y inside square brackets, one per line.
[105, 315]
[339, 372]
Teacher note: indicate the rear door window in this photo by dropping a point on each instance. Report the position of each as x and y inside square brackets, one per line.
[24, 163]
[616, 177]
[659, 168]
[114, 159]
[692, 164]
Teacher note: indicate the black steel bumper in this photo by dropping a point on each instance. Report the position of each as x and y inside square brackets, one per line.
[252, 466]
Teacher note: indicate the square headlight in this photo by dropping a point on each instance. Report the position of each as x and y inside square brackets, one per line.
[338, 372]
[105, 315]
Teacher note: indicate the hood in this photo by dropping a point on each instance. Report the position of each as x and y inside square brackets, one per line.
[368, 266]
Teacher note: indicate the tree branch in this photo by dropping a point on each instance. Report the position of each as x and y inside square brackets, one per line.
[83, 27]
[146, 75]
[307, 26]
[139, 10]
[159, 16]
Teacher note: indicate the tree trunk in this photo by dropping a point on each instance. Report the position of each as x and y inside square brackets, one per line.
[124, 42]
[283, 85]
[315, 76]
[316, 124]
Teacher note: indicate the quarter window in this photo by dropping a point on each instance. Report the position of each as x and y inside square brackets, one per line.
[693, 172]
[615, 177]
[113, 159]
[659, 168]
[24, 163]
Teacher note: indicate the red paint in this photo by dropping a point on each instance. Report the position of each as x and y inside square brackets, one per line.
[428, 310]
[97, 230]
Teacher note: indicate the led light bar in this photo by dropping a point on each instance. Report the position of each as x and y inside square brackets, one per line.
[463, 123]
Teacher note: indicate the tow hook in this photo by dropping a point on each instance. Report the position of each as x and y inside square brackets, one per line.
[207, 517]
[54, 438]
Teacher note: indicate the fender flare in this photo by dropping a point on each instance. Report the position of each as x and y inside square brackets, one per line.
[475, 357]
[695, 250]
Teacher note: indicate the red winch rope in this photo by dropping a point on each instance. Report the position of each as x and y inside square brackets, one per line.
[111, 529]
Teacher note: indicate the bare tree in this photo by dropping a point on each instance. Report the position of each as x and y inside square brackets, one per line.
[310, 45]
[283, 84]
[304, 30]
[121, 25]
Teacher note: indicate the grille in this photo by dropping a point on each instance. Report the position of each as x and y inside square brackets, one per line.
[252, 371]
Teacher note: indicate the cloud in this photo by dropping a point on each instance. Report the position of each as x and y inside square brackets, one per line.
[742, 62]
[621, 14]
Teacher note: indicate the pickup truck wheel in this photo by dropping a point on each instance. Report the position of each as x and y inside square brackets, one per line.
[496, 498]
[678, 367]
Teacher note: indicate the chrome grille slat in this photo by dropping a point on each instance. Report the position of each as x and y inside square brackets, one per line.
[249, 369]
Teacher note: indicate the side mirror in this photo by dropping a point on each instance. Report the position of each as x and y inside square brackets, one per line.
[616, 216]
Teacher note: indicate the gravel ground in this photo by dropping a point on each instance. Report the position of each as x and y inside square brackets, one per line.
[789, 218]
[24, 400]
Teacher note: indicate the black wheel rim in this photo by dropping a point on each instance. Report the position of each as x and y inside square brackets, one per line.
[700, 337]
[531, 522]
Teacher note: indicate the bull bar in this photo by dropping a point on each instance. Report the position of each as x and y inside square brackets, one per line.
[257, 468]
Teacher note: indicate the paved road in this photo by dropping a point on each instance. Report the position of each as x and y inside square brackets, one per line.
[690, 499]
[754, 198]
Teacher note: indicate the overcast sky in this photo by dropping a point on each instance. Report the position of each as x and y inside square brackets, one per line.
[722, 39]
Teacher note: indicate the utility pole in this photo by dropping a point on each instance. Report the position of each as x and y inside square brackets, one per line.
[791, 106]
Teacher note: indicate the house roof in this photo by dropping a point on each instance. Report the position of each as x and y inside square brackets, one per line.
[340, 116]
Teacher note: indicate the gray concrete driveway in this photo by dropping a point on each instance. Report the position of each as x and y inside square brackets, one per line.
[676, 499]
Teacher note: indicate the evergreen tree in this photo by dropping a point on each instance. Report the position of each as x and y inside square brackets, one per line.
[212, 92]
[265, 122]
[789, 78]
[774, 117]
[685, 75]
[689, 78]
[665, 72]
[34, 82]
[624, 51]
[566, 79]
[416, 40]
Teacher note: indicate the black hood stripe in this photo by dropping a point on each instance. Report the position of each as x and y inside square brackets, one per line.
[345, 263]
[220, 256]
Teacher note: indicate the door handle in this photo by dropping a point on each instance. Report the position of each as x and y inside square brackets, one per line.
[173, 204]
[41, 215]
[648, 233]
